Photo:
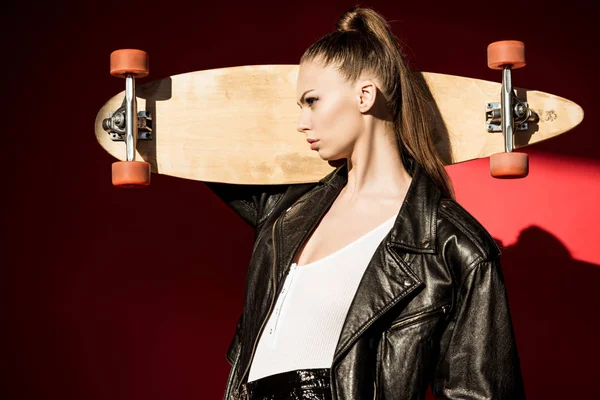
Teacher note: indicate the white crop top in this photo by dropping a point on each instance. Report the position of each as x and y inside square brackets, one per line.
[304, 327]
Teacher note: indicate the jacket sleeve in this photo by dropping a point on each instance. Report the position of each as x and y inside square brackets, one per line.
[251, 202]
[478, 352]
[235, 344]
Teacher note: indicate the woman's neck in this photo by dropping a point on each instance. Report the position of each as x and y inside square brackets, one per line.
[375, 167]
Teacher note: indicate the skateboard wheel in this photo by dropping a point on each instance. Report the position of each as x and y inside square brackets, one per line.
[506, 53]
[129, 61]
[131, 174]
[509, 165]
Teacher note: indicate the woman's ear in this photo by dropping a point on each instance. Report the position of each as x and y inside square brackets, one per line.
[367, 95]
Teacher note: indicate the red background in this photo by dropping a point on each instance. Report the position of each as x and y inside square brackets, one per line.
[123, 294]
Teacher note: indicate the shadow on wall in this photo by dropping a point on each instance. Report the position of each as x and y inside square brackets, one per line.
[554, 302]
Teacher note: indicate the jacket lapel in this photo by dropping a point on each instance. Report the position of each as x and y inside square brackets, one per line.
[299, 221]
[388, 277]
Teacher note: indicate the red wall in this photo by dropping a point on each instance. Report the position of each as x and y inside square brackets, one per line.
[122, 294]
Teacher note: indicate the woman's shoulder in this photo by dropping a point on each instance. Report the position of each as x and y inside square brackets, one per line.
[460, 230]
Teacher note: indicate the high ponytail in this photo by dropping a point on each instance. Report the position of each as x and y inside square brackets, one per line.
[364, 42]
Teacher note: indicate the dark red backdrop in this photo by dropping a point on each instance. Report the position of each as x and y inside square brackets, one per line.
[134, 294]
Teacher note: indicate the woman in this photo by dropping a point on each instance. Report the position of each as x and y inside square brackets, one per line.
[372, 283]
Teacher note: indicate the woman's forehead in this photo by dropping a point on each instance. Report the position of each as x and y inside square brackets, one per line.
[312, 76]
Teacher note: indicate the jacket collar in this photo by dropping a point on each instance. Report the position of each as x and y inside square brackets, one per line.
[415, 227]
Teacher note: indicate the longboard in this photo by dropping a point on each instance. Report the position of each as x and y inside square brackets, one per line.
[238, 124]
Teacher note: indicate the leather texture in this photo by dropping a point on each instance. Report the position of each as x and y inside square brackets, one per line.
[431, 308]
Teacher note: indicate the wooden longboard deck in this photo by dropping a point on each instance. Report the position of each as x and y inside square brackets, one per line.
[238, 124]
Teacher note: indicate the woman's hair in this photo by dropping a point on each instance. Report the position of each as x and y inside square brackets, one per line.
[364, 42]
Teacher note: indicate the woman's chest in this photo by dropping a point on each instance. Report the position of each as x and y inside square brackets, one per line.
[337, 232]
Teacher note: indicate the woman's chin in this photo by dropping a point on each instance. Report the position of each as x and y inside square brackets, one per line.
[332, 159]
[323, 156]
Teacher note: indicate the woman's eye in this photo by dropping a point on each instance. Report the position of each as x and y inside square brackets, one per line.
[310, 100]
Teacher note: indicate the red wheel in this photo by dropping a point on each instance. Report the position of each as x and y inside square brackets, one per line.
[131, 174]
[129, 61]
[506, 53]
[509, 165]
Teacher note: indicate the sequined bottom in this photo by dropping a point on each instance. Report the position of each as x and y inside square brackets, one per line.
[301, 384]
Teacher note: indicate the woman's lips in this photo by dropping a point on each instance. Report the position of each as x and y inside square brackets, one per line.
[313, 143]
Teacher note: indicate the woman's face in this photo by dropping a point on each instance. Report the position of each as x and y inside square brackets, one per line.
[329, 111]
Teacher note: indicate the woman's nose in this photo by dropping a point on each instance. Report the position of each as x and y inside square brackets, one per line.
[302, 124]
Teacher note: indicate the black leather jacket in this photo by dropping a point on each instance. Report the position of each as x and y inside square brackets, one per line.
[431, 307]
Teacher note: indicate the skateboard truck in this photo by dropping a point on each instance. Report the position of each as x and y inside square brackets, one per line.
[522, 114]
[122, 124]
[115, 125]
[511, 113]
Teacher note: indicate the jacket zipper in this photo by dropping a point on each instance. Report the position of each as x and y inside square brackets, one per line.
[228, 386]
[270, 306]
[420, 316]
[277, 290]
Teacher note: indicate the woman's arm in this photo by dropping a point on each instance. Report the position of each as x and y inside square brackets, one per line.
[251, 202]
[478, 352]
